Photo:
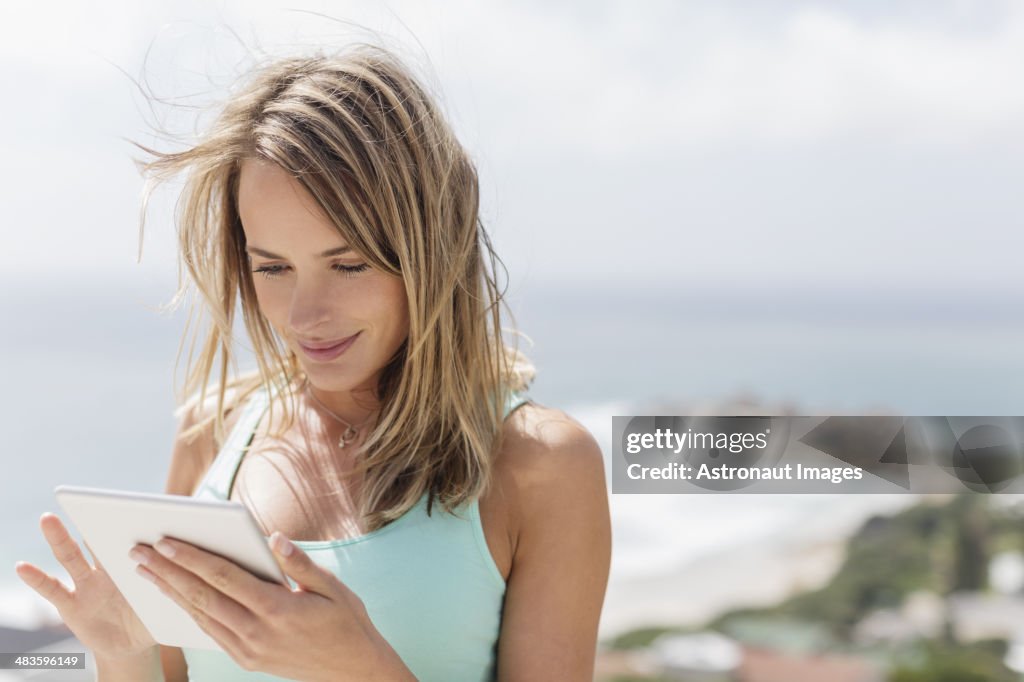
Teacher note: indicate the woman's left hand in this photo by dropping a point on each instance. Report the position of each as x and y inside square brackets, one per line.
[319, 631]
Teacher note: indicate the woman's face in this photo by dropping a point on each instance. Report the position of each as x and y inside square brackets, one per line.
[312, 290]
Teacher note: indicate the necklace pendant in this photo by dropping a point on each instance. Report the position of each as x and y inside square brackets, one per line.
[347, 437]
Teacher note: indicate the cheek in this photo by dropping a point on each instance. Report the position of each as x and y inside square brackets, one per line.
[382, 302]
[270, 300]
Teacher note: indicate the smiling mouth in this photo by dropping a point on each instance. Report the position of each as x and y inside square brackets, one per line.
[326, 346]
[329, 353]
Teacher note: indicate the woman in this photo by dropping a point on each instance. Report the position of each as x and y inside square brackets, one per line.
[435, 523]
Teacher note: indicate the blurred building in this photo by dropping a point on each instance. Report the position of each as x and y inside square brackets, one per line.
[772, 666]
[975, 616]
[702, 657]
[920, 616]
[711, 657]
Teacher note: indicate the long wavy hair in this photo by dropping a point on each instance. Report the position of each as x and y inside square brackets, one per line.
[369, 144]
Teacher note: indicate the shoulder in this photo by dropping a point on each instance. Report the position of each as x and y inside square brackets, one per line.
[545, 445]
[195, 443]
[550, 462]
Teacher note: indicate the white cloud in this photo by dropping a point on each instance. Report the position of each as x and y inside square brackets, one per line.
[641, 80]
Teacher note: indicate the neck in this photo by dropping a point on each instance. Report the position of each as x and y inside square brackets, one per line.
[354, 407]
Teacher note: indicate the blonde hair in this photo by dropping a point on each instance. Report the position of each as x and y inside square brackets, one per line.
[366, 141]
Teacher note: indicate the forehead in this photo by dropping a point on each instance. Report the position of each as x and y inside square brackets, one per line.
[271, 203]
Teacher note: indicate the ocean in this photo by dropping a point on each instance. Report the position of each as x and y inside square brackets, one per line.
[89, 371]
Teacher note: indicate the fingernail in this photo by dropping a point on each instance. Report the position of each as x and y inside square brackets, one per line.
[138, 555]
[164, 548]
[145, 574]
[283, 546]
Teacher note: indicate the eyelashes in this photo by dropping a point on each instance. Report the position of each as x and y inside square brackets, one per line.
[272, 271]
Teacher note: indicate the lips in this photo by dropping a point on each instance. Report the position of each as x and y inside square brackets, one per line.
[323, 345]
[329, 350]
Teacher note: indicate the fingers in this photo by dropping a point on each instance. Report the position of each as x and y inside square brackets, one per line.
[208, 623]
[203, 600]
[45, 585]
[226, 576]
[64, 548]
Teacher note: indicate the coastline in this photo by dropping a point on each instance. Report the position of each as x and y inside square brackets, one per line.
[749, 573]
[692, 593]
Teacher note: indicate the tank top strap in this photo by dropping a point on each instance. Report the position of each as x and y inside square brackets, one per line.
[515, 400]
[219, 477]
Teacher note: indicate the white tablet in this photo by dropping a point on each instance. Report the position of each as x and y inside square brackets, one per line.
[114, 521]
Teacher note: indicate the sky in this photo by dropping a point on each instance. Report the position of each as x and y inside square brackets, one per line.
[848, 145]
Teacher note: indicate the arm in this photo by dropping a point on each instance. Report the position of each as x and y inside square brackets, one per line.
[562, 558]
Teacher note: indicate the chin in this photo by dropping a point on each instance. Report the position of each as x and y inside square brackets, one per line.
[328, 378]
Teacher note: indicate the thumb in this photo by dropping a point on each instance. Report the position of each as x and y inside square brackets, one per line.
[297, 565]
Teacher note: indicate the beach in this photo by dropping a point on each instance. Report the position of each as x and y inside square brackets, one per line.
[732, 565]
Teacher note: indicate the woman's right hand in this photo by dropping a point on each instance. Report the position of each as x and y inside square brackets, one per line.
[95, 611]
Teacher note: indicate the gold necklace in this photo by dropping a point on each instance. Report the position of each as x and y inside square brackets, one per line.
[350, 432]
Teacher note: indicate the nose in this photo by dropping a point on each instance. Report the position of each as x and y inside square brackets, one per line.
[310, 307]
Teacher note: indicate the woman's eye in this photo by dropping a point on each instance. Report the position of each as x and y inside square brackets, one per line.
[349, 270]
[271, 271]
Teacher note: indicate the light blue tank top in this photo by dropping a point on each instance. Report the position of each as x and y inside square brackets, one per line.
[429, 583]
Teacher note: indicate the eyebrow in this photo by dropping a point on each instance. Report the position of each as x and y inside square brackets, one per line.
[326, 254]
